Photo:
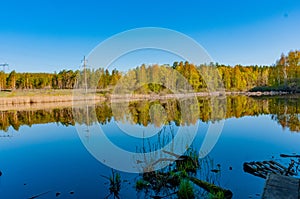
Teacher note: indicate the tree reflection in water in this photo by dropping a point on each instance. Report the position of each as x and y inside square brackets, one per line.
[285, 110]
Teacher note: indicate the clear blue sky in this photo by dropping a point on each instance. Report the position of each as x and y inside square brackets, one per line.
[52, 35]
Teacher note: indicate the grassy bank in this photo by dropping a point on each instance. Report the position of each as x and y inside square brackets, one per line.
[36, 92]
[67, 95]
[25, 97]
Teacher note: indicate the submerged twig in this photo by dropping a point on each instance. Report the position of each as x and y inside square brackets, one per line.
[38, 195]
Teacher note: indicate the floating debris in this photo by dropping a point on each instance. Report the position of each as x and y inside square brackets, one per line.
[215, 170]
[72, 192]
[289, 156]
[262, 169]
[57, 194]
[0, 173]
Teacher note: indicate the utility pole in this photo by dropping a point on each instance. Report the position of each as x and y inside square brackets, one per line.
[84, 71]
[87, 107]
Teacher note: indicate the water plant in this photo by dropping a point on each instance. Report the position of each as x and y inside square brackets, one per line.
[185, 190]
[115, 184]
[218, 195]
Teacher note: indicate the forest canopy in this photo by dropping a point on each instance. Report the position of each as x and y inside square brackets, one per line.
[284, 75]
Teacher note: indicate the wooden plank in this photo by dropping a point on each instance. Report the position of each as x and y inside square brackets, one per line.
[283, 181]
[275, 193]
[279, 186]
[261, 169]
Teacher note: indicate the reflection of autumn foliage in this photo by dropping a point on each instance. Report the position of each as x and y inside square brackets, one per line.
[289, 121]
[19, 118]
[285, 110]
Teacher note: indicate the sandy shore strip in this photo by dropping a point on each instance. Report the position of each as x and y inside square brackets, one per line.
[58, 101]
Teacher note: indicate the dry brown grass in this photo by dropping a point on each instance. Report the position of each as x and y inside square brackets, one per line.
[35, 98]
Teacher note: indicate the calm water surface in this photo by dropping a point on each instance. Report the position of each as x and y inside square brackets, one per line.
[43, 153]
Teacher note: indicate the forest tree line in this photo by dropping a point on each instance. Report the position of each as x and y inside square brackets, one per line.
[283, 75]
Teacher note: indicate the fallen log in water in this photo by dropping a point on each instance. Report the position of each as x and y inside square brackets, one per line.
[211, 188]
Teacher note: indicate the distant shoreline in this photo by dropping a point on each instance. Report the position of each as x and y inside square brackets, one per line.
[38, 97]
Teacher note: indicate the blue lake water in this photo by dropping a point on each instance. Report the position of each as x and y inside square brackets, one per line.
[50, 158]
